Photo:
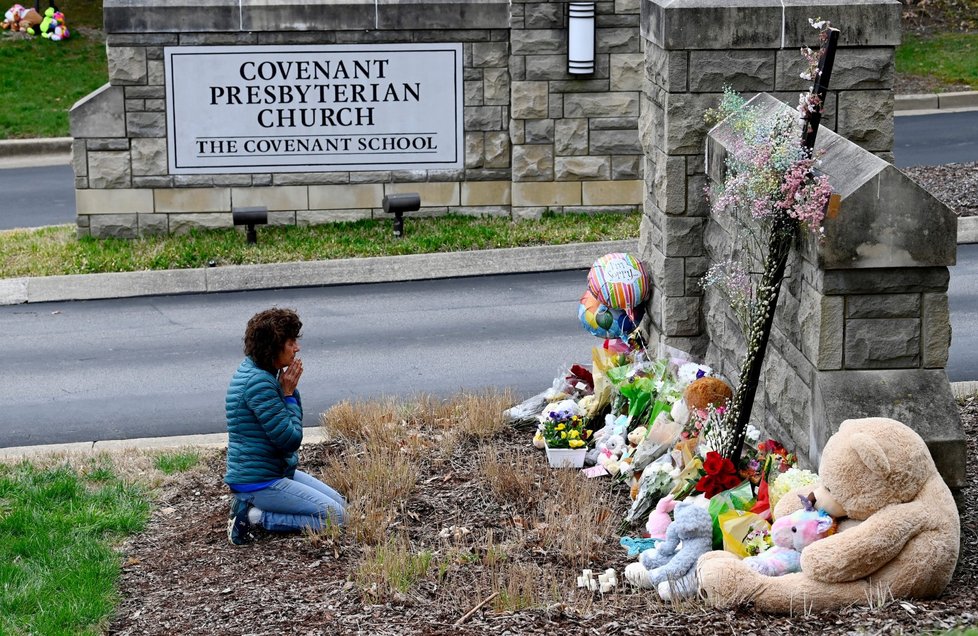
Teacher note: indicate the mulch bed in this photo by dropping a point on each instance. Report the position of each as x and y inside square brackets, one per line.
[181, 577]
[954, 184]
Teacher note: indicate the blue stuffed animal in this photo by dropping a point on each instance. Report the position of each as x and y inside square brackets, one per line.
[670, 567]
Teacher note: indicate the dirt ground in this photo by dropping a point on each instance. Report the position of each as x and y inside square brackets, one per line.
[182, 577]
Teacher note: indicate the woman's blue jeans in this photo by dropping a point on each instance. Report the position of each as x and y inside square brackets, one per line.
[300, 503]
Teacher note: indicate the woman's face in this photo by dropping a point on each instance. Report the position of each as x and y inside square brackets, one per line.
[287, 355]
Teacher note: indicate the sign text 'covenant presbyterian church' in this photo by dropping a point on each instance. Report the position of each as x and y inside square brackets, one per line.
[314, 108]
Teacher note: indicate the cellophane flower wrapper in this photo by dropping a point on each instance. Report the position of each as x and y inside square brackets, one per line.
[737, 498]
[657, 480]
[735, 528]
[639, 391]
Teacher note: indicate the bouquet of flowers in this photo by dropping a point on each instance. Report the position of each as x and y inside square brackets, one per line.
[765, 461]
[563, 425]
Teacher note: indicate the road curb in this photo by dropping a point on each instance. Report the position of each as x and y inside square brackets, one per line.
[928, 102]
[28, 147]
[967, 230]
[310, 435]
[346, 271]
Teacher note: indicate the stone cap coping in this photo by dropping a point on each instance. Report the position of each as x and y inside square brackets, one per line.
[920, 398]
[766, 24]
[884, 220]
[232, 16]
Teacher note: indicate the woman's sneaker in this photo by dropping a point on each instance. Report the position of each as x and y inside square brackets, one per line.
[238, 526]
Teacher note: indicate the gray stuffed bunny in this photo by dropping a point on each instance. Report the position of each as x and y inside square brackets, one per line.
[670, 567]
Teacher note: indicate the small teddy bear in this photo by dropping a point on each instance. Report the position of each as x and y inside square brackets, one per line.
[11, 19]
[670, 567]
[705, 392]
[790, 536]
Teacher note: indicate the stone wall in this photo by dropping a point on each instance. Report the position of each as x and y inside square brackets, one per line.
[862, 326]
[579, 136]
[535, 137]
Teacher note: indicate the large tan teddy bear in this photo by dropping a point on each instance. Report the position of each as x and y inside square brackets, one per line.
[878, 472]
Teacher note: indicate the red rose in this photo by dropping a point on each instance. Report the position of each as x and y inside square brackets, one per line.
[720, 475]
[713, 463]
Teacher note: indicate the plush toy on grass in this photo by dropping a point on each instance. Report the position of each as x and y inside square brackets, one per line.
[29, 21]
[879, 472]
[790, 535]
[11, 19]
[53, 26]
[670, 567]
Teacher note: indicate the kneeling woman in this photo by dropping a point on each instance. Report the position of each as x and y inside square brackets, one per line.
[264, 418]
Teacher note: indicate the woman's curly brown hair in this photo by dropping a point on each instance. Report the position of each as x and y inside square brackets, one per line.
[267, 333]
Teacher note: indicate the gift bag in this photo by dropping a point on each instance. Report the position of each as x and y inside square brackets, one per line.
[737, 498]
[736, 526]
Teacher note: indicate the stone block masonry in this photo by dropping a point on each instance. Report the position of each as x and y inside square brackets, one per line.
[525, 119]
[862, 327]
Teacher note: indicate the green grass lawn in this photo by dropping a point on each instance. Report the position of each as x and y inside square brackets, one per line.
[43, 79]
[951, 57]
[55, 250]
[58, 567]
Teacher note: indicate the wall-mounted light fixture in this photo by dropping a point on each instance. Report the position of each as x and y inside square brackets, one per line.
[580, 38]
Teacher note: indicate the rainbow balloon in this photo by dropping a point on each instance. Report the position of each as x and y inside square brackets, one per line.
[619, 280]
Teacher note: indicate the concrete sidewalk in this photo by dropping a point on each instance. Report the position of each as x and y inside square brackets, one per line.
[346, 271]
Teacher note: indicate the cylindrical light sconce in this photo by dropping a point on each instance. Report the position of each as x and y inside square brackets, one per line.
[580, 38]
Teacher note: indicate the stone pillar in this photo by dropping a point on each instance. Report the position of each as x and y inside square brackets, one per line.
[862, 325]
[693, 49]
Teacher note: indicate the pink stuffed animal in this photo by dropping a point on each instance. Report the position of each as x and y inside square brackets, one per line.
[790, 536]
[659, 520]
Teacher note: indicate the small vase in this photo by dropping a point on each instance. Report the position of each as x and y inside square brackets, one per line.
[566, 457]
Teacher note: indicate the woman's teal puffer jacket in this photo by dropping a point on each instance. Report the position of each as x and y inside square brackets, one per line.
[264, 431]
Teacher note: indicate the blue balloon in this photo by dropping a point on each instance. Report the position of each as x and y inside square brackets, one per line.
[602, 321]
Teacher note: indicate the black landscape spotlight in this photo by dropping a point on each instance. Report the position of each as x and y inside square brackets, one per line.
[250, 217]
[398, 204]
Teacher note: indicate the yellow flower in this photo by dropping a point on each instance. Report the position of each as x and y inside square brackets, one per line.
[563, 436]
[560, 427]
[574, 434]
[575, 443]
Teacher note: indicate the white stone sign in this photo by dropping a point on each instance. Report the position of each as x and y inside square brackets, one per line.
[248, 109]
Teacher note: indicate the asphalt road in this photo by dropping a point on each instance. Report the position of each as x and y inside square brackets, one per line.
[119, 369]
[148, 367]
[930, 140]
[37, 196]
[45, 196]
[962, 363]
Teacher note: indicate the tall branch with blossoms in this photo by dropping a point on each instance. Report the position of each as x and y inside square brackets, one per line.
[770, 175]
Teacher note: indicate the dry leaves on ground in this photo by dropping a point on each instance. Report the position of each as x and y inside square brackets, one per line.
[484, 518]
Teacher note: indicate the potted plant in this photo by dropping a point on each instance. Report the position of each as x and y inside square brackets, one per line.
[565, 434]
